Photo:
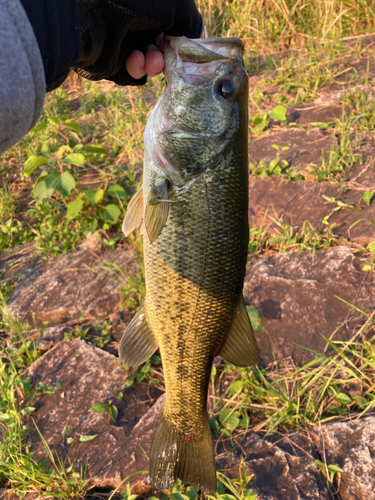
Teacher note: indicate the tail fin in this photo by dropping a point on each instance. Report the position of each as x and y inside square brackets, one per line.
[173, 456]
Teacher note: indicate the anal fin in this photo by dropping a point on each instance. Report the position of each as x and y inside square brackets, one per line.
[134, 213]
[138, 343]
[240, 347]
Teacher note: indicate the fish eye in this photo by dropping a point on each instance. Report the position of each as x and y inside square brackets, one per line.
[226, 89]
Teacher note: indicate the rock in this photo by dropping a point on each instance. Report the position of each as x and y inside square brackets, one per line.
[305, 147]
[283, 467]
[351, 446]
[297, 297]
[81, 284]
[51, 336]
[318, 112]
[299, 201]
[88, 375]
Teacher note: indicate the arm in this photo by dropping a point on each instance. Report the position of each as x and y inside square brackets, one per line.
[42, 39]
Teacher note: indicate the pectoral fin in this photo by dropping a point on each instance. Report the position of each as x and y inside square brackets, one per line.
[134, 214]
[138, 342]
[157, 209]
[240, 347]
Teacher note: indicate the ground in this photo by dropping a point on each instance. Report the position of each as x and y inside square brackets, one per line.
[298, 426]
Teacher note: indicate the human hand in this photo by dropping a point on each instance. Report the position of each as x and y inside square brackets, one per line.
[150, 64]
[122, 39]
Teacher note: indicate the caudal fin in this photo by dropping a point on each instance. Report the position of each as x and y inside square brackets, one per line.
[174, 456]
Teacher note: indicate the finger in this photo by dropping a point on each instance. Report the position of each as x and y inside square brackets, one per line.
[154, 62]
[135, 64]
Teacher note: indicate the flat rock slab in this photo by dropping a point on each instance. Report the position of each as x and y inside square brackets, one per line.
[294, 202]
[305, 147]
[88, 375]
[283, 467]
[351, 446]
[319, 112]
[67, 288]
[296, 295]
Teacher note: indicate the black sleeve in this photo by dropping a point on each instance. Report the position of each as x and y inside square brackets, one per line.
[56, 27]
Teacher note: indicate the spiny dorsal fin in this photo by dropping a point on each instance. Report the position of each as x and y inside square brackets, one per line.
[134, 214]
[138, 342]
[240, 347]
[157, 209]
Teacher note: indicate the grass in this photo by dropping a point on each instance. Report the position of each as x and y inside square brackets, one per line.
[274, 25]
[283, 397]
[283, 237]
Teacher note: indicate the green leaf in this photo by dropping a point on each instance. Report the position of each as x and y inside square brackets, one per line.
[129, 381]
[93, 148]
[255, 317]
[278, 113]
[245, 421]
[319, 464]
[329, 198]
[236, 386]
[75, 159]
[26, 411]
[192, 493]
[64, 182]
[84, 439]
[343, 399]
[70, 440]
[66, 428]
[98, 196]
[39, 127]
[99, 407]
[226, 496]
[90, 195]
[72, 124]
[334, 468]
[116, 190]
[179, 496]
[32, 163]
[40, 189]
[360, 401]
[110, 213]
[229, 419]
[74, 207]
[367, 197]
[113, 411]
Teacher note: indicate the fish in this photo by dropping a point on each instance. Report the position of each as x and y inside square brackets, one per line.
[193, 211]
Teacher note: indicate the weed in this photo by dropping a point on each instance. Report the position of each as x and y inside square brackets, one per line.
[277, 25]
[284, 396]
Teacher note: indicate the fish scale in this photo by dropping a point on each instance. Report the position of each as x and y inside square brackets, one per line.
[193, 203]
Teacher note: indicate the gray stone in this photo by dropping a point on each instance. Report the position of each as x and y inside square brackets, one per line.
[76, 285]
[88, 375]
[351, 446]
[297, 297]
[305, 147]
[294, 202]
[283, 467]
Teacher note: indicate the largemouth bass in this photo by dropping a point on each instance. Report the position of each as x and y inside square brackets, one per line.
[194, 206]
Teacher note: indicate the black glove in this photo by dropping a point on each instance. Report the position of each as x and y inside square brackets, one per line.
[112, 29]
[95, 37]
